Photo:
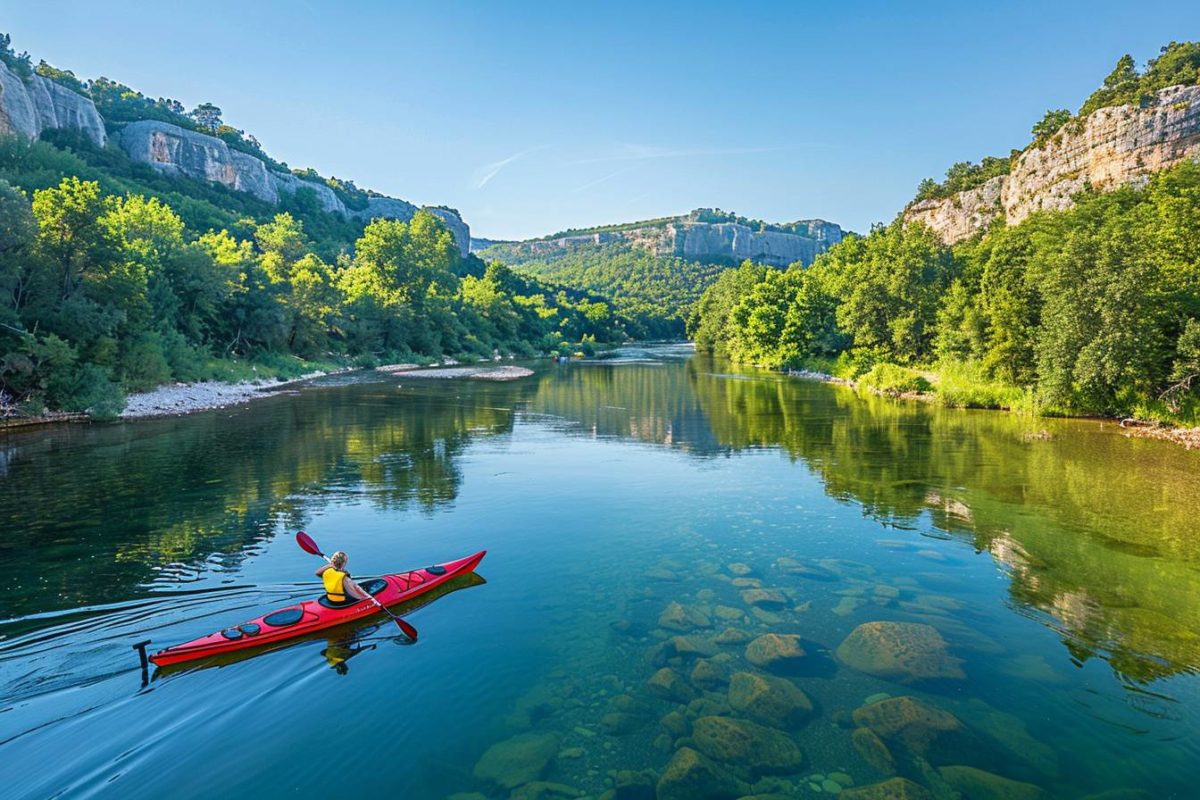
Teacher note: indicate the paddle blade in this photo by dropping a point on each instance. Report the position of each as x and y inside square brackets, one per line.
[409, 630]
[307, 544]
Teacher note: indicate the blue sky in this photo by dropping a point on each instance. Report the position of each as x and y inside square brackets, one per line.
[535, 117]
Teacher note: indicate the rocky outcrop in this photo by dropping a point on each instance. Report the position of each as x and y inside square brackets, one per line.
[700, 241]
[1110, 147]
[694, 240]
[199, 156]
[32, 105]
[462, 233]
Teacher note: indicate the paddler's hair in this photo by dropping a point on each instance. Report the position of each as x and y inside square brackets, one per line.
[338, 559]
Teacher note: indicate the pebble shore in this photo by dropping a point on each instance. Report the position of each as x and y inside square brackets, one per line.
[186, 398]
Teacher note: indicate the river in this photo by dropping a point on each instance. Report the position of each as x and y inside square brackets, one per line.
[1037, 581]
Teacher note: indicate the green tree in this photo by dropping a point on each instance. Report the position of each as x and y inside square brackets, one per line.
[207, 116]
[1050, 123]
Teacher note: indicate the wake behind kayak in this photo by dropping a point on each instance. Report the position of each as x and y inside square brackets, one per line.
[314, 615]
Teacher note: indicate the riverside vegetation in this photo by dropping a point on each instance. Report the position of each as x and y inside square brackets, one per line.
[116, 277]
[1090, 310]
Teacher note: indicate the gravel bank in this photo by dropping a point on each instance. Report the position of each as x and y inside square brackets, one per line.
[506, 373]
[185, 398]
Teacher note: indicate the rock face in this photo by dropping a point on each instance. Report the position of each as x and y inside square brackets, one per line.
[694, 240]
[199, 156]
[462, 233]
[1110, 147]
[30, 106]
[699, 241]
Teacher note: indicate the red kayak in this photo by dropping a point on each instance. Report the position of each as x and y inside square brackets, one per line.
[315, 615]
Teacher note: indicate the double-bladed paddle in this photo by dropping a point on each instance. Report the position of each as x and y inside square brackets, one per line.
[309, 546]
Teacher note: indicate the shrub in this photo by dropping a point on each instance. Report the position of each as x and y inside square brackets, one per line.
[963, 385]
[894, 380]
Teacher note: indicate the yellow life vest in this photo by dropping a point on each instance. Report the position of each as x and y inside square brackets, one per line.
[333, 585]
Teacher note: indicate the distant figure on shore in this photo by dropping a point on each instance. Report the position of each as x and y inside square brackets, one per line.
[338, 583]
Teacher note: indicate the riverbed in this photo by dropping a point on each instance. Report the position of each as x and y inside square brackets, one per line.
[683, 557]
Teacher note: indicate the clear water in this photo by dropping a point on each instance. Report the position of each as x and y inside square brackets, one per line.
[1058, 559]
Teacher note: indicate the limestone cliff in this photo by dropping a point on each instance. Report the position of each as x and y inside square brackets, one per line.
[171, 148]
[694, 240]
[1110, 147]
[34, 104]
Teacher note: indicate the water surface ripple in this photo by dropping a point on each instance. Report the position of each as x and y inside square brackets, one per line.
[988, 597]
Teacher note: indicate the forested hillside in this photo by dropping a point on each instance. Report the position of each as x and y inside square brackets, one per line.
[655, 270]
[116, 277]
[1093, 310]
[654, 292]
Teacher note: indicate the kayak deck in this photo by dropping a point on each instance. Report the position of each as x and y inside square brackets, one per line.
[311, 615]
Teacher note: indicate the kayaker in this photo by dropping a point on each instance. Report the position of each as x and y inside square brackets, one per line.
[337, 580]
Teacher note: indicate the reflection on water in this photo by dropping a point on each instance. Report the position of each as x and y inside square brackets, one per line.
[982, 604]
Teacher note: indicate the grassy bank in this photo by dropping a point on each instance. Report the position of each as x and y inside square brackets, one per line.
[964, 385]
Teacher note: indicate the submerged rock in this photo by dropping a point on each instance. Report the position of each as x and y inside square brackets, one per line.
[1009, 731]
[775, 651]
[692, 776]
[541, 701]
[873, 751]
[667, 684]
[519, 760]
[683, 647]
[976, 784]
[894, 789]
[764, 598]
[848, 605]
[921, 729]
[791, 566]
[678, 617]
[713, 705]
[768, 700]
[619, 723]
[631, 785]
[747, 745]
[740, 570]
[675, 723]
[709, 674]
[544, 790]
[732, 636]
[728, 613]
[905, 651]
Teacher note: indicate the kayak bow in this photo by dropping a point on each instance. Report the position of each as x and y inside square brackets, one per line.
[314, 615]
